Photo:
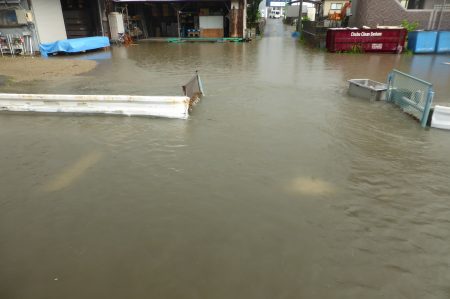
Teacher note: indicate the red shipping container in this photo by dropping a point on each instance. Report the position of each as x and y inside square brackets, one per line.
[366, 40]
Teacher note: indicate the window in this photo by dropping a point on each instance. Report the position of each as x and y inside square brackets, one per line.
[336, 6]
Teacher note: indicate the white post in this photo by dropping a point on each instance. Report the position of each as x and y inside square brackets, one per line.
[178, 22]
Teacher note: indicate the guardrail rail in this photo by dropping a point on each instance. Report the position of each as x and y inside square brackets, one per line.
[413, 95]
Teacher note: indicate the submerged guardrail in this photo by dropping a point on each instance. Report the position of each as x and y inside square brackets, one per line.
[157, 106]
[413, 95]
[441, 117]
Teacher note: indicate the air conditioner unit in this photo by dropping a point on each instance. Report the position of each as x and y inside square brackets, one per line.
[13, 17]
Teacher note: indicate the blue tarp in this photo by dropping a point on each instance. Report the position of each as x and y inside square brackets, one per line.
[74, 45]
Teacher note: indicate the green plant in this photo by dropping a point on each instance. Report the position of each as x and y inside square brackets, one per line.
[408, 52]
[410, 26]
[306, 18]
[253, 13]
[302, 40]
[356, 49]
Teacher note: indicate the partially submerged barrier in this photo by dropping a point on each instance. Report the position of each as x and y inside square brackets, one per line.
[158, 106]
[194, 89]
[414, 96]
[367, 89]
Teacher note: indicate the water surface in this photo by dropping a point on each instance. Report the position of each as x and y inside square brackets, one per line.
[278, 186]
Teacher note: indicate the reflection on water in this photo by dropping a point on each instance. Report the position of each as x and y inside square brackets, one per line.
[278, 186]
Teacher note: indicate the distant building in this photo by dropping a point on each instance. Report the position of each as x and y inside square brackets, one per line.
[51, 20]
[165, 18]
[332, 6]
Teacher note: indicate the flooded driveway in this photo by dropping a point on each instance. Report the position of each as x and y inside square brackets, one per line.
[278, 186]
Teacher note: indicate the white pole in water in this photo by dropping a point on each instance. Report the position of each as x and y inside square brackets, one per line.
[178, 22]
[442, 14]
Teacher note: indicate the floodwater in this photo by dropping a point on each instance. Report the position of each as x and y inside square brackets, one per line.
[278, 186]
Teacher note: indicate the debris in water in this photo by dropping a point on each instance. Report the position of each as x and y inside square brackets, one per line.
[69, 175]
[310, 186]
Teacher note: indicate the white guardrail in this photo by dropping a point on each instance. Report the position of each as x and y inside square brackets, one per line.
[441, 117]
[157, 106]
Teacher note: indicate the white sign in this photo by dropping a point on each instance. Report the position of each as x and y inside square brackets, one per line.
[211, 22]
[377, 46]
[277, 4]
[366, 34]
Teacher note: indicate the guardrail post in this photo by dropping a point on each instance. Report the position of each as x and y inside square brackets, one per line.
[389, 87]
[427, 107]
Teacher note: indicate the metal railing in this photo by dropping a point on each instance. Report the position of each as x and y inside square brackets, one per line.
[413, 95]
[194, 89]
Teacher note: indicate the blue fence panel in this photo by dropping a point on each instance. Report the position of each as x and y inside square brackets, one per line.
[413, 95]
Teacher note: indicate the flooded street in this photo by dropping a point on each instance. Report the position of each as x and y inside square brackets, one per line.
[278, 186]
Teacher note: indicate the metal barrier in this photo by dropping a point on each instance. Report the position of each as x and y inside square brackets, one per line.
[159, 106]
[413, 95]
[194, 89]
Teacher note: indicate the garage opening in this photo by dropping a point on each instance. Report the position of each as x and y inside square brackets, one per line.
[208, 19]
[81, 18]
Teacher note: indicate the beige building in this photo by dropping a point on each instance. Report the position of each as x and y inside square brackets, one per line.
[332, 6]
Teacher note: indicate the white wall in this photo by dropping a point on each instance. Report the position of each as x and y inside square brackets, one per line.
[312, 13]
[292, 11]
[211, 22]
[263, 9]
[49, 20]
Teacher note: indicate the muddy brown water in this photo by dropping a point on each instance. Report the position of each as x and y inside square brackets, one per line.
[278, 186]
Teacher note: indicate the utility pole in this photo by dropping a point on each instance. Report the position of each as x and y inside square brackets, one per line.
[100, 15]
[178, 23]
[299, 21]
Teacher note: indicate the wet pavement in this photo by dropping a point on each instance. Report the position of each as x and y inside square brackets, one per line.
[278, 186]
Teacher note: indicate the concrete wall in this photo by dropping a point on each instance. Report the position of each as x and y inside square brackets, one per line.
[49, 20]
[391, 13]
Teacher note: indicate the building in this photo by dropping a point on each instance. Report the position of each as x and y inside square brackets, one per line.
[332, 6]
[202, 18]
[430, 14]
[45, 21]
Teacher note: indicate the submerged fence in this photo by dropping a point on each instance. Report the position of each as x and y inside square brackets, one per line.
[413, 95]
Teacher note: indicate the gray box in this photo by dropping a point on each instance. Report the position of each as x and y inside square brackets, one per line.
[367, 89]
